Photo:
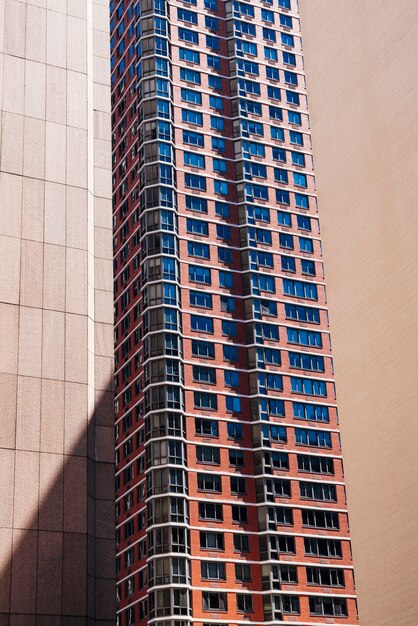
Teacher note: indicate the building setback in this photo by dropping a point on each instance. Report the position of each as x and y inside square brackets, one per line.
[56, 352]
[231, 504]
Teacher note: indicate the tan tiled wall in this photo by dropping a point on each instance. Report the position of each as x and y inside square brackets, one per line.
[56, 315]
[361, 62]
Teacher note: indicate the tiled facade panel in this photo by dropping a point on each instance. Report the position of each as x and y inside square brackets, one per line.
[56, 436]
[230, 489]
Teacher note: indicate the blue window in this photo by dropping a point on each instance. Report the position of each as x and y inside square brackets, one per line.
[216, 102]
[211, 5]
[273, 92]
[191, 76]
[296, 137]
[235, 431]
[308, 386]
[311, 412]
[192, 117]
[193, 181]
[218, 144]
[247, 67]
[284, 219]
[261, 282]
[233, 404]
[201, 323]
[248, 87]
[307, 361]
[252, 148]
[211, 23]
[300, 289]
[249, 127]
[304, 222]
[246, 47]
[207, 401]
[214, 62]
[301, 201]
[189, 95]
[279, 154]
[203, 349]
[220, 165]
[286, 241]
[197, 227]
[291, 78]
[267, 16]
[256, 192]
[194, 160]
[215, 82]
[187, 54]
[221, 187]
[193, 139]
[319, 438]
[244, 28]
[228, 304]
[292, 97]
[226, 279]
[308, 267]
[198, 249]
[217, 123]
[288, 264]
[187, 16]
[294, 117]
[212, 42]
[242, 8]
[285, 20]
[298, 158]
[289, 58]
[272, 73]
[194, 203]
[249, 106]
[199, 274]
[304, 337]
[300, 179]
[229, 328]
[305, 244]
[270, 54]
[277, 133]
[269, 34]
[302, 313]
[222, 209]
[275, 113]
[230, 353]
[188, 35]
[201, 299]
[280, 175]
[287, 40]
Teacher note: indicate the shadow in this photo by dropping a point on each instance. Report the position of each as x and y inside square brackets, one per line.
[57, 568]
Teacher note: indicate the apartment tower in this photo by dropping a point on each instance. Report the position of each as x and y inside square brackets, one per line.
[56, 317]
[231, 504]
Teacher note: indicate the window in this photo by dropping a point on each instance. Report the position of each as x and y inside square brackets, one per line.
[304, 337]
[215, 82]
[317, 438]
[205, 401]
[294, 117]
[194, 203]
[308, 267]
[187, 54]
[315, 464]
[193, 139]
[311, 412]
[211, 23]
[225, 256]
[206, 428]
[308, 386]
[315, 518]
[188, 35]
[328, 606]
[214, 601]
[197, 227]
[213, 570]
[192, 117]
[216, 102]
[234, 430]
[301, 201]
[239, 514]
[288, 264]
[203, 349]
[209, 482]
[218, 144]
[201, 323]
[230, 353]
[217, 123]
[289, 58]
[194, 160]
[232, 378]
[325, 576]
[300, 289]
[244, 603]
[199, 274]
[306, 361]
[233, 404]
[236, 457]
[187, 16]
[226, 279]
[210, 540]
[303, 221]
[197, 249]
[220, 165]
[190, 76]
[241, 543]
[237, 485]
[193, 181]
[201, 299]
[287, 40]
[210, 511]
[242, 572]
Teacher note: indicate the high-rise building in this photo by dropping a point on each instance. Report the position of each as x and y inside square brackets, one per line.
[364, 127]
[56, 316]
[231, 504]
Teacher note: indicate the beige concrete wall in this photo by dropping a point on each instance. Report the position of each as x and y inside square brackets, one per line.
[56, 315]
[361, 60]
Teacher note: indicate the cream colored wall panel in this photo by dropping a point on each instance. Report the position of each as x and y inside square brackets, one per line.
[10, 204]
[75, 418]
[10, 269]
[53, 345]
[13, 99]
[76, 281]
[14, 28]
[35, 82]
[30, 341]
[12, 143]
[76, 348]
[76, 231]
[34, 148]
[56, 94]
[56, 39]
[76, 44]
[36, 33]
[9, 315]
[52, 416]
[77, 158]
[55, 153]
[31, 273]
[76, 99]
[55, 210]
[54, 278]
[33, 200]
[8, 386]
[7, 465]
[26, 489]
[28, 415]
